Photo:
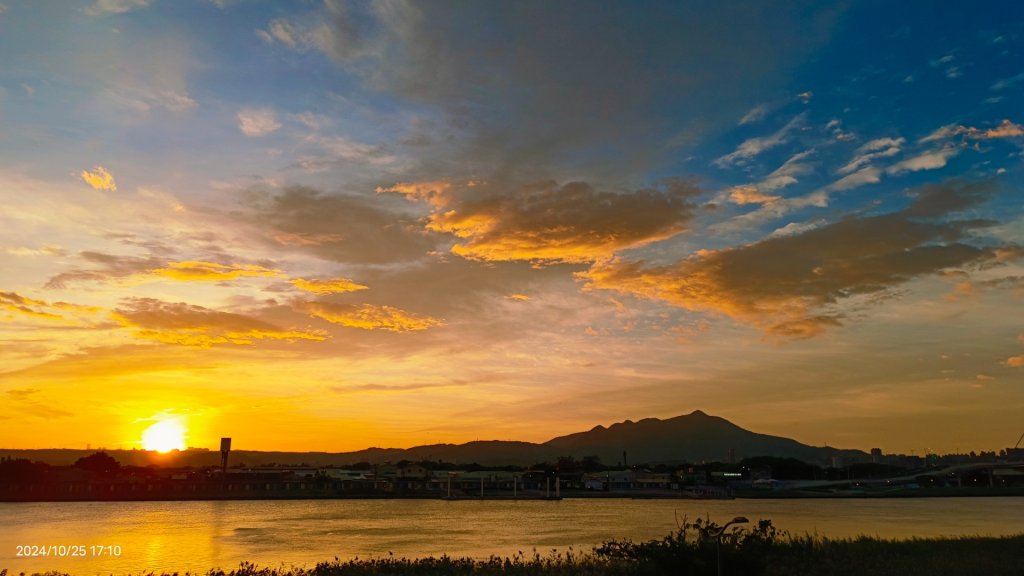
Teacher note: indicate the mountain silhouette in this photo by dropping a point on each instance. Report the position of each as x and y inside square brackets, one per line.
[694, 437]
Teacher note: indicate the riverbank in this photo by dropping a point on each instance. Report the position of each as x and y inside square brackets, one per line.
[696, 550]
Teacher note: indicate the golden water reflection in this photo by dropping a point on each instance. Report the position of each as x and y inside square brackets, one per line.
[197, 536]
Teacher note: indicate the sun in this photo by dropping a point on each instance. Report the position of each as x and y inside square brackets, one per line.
[164, 436]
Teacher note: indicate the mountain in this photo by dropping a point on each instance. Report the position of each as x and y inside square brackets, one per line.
[692, 437]
[689, 438]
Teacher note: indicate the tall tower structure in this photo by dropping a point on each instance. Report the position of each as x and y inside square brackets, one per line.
[225, 449]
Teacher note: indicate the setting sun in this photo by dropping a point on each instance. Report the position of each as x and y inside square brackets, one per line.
[164, 436]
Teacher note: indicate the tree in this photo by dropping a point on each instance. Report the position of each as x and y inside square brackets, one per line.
[100, 462]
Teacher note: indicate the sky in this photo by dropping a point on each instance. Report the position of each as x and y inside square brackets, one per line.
[328, 226]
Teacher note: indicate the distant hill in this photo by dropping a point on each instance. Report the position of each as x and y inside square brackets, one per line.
[690, 438]
[693, 437]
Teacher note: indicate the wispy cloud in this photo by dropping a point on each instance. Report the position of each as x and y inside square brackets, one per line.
[212, 271]
[1005, 129]
[190, 325]
[878, 148]
[755, 146]
[929, 160]
[368, 316]
[100, 7]
[329, 286]
[257, 122]
[756, 113]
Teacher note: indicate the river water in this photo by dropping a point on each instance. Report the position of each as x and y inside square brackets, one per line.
[197, 536]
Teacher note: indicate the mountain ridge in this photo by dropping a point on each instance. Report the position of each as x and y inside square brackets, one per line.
[692, 437]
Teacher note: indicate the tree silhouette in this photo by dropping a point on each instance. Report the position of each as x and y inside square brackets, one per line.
[100, 462]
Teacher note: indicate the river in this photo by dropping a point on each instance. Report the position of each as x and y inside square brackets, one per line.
[196, 536]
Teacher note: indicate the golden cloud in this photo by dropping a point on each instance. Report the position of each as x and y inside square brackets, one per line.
[548, 223]
[213, 272]
[99, 179]
[17, 304]
[368, 316]
[790, 285]
[1015, 361]
[434, 193]
[330, 286]
[190, 325]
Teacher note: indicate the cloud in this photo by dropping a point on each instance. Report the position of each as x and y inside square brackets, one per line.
[190, 325]
[879, 148]
[213, 272]
[281, 31]
[337, 227]
[112, 267]
[583, 95]
[1007, 82]
[12, 302]
[100, 7]
[550, 223]
[47, 250]
[756, 113]
[868, 175]
[140, 269]
[17, 305]
[1015, 361]
[836, 127]
[99, 179]
[330, 286]
[749, 194]
[797, 228]
[257, 122]
[302, 239]
[755, 146]
[368, 316]
[786, 174]
[792, 286]
[1005, 129]
[434, 193]
[925, 161]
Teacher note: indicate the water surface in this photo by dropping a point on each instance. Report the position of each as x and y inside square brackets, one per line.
[197, 536]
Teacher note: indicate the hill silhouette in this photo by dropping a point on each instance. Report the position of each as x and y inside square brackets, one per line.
[693, 437]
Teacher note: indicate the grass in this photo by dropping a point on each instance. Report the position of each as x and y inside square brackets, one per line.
[693, 550]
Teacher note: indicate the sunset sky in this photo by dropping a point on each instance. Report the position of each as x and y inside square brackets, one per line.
[327, 226]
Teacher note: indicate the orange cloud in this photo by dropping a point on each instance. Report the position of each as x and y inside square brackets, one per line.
[190, 325]
[790, 285]
[1015, 361]
[548, 223]
[518, 297]
[749, 194]
[434, 193]
[1006, 129]
[21, 305]
[331, 286]
[99, 179]
[213, 272]
[368, 316]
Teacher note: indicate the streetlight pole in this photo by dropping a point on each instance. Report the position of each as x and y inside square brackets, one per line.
[718, 539]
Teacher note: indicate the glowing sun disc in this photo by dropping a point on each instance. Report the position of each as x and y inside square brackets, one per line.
[164, 436]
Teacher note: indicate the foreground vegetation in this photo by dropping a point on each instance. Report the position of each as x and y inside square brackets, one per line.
[703, 548]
